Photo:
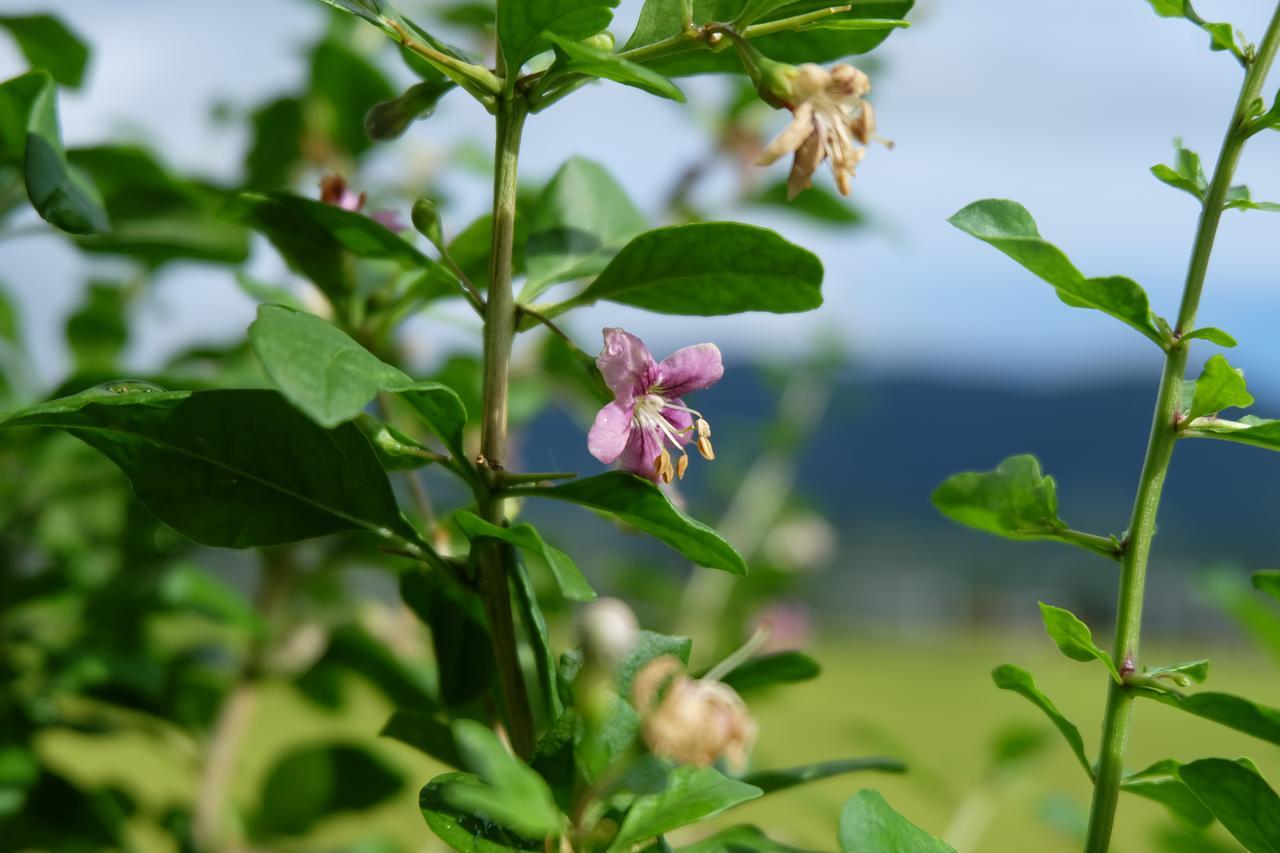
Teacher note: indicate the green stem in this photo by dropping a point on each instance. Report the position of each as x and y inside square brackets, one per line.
[1119, 710]
[499, 329]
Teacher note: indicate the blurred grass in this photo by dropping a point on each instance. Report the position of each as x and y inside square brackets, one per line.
[929, 703]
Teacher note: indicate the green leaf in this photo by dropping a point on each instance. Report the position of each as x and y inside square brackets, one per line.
[1186, 174]
[769, 781]
[187, 457]
[708, 269]
[639, 503]
[1008, 226]
[97, 331]
[1219, 387]
[313, 237]
[869, 825]
[1234, 712]
[692, 794]
[1212, 335]
[580, 221]
[1221, 35]
[1268, 582]
[535, 624]
[523, 27]
[1160, 783]
[1253, 431]
[389, 119]
[662, 19]
[742, 838]
[62, 197]
[377, 12]
[48, 44]
[311, 783]
[1239, 798]
[513, 794]
[332, 378]
[1260, 620]
[1014, 501]
[459, 635]
[1009, 677]
[425, 732]
[1239, 198]
[788, 667]
[353, 651]
[1074, 639]
[580, 58]
[569, 578]
[462, 830]
[1180, 673]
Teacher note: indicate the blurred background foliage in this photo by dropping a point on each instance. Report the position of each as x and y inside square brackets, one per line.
[126, 651]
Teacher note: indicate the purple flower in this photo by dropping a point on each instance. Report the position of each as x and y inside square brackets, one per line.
[647, 413]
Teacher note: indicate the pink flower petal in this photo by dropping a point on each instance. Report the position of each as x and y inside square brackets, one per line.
[610, 433]
[690, 369]
[643, 448]
[626, 364]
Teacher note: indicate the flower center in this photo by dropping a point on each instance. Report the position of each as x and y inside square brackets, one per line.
[648, 415]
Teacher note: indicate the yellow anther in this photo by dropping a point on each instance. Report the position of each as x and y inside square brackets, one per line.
[705, 448]
[682, 465]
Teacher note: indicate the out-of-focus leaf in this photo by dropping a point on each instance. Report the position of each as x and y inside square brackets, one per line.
[313, 237]
[276, 149]
[188, 461]
[464, 654]
[581, 219]
[742, 838]
[1268, 582]
[310, 783]
[97, 330]
[354, 651]
[580, 58]
[461, 829]
[1009, 677]
[569, 578]
[1160, 783]
[389, 119]
[662, 19]
[1228, 591]
[512, 795]
[1074, 639]
[788, 667]
[770, 781]
[817, 203]
[648, 646]
[1008, 226]
[191, 589]
[344, 87]
[692, 794]
[1239, 798]
[423, 731]
[642, 505]
[869, 825]
[49, 44]
[710, 268]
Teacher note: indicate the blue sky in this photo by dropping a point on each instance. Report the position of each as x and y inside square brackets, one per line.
[1060, 106]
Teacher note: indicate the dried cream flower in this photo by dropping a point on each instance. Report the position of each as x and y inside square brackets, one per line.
[828, 114]
[690, 720]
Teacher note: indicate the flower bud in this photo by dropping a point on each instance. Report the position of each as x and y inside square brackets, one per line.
[608, 629]
[600, 41]
[426, 218]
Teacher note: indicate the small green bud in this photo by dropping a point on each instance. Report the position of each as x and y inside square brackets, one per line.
[426, 218]
[600, 41]
[776, 82]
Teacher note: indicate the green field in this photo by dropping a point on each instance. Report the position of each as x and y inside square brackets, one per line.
[931, 704]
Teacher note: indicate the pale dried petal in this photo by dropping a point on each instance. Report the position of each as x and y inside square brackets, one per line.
[791, 138]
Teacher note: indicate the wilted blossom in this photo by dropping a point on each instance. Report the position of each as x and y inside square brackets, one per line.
[691, 720]
[828, 114]
[335, 191]
[648, 416]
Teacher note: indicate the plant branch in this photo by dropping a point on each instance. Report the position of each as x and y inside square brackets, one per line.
[1164, 434]
[499, 330]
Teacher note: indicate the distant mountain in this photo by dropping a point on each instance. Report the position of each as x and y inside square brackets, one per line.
[887, 442]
